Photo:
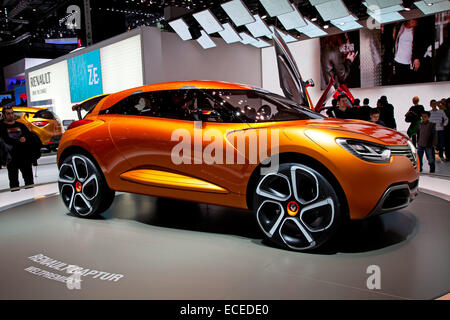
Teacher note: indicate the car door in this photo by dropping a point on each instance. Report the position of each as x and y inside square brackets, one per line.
[149, 129]
[291, 81]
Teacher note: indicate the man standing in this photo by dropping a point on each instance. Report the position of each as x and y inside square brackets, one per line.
[19, 138]
[364, 110]
[387, 113]
[426, 140]
[410, 47]
[342, 111]
[439, 117]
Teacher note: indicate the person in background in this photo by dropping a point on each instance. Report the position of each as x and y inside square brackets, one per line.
[364, 110]
[17, 135]
[375, 117]
[356, 103]
[413, 117]
[426, 141]
[387, 113]
[439, 118]
[342, 111]
[447, 130]
[409, 50]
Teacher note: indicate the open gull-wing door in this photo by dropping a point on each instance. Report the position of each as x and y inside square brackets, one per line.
[326, 95]
[290, 78]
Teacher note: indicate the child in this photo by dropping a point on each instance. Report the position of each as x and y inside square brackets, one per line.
[426, 140]
[375, 117]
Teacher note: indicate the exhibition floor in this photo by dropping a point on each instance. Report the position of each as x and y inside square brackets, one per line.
[149, 248]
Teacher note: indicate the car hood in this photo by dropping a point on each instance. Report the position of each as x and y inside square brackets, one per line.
[357, 129]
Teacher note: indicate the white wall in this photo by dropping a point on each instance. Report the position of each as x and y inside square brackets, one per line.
[122, 65]
[307, 55]
[51, 85]
[168, 58]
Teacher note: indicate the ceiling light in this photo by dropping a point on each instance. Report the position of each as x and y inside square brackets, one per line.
[181, 28]
[258, 28]
[383, 10]
[438, 6]
[286, 37]
[332, 10]
[292, 19]
[383, 3]
[205, 41]
[229, 34]
[238, 12]
[316, 2]
[386, 17]
[346, 23]
[276, 8]
[246, 38]
[314, 19]
[208, 21]
[326, 26]
[260, 44]
[311, 30]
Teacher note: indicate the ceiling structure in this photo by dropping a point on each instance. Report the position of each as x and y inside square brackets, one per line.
[31, 28]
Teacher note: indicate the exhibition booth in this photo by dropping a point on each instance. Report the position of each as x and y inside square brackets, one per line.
[153, 244]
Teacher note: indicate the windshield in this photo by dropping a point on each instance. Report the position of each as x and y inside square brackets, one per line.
[253, 106]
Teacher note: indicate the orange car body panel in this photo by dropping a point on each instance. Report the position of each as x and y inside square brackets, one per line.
[128, 148]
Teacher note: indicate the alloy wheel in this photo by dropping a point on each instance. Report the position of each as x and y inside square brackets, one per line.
[296, 207]
[82, 186]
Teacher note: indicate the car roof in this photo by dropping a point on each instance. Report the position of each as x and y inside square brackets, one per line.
[93, 97]
[175, 85]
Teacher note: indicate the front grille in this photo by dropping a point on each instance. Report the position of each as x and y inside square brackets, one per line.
[396, 198]
[404, 151]
[414, 185]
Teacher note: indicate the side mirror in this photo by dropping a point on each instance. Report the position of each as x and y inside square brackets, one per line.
[205, 114]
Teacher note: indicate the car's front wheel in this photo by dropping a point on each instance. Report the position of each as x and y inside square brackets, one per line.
[83, 187]
[296, 208]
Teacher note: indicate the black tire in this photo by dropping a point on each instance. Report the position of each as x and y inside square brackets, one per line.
[296, 208]
[83, 187]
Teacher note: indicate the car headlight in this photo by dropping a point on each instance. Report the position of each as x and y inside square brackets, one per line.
[365, 150]
[413, 149]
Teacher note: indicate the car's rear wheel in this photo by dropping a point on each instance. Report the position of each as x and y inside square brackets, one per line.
[296, 208]
[83, 187]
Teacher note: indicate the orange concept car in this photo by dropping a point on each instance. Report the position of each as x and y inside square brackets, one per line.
[300, 174]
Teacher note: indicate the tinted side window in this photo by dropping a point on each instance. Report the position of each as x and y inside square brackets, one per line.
[17, 114]
[171, 104]
[88, 106]
[140, 104]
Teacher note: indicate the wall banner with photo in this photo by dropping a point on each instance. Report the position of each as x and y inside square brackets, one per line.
[412, 51]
